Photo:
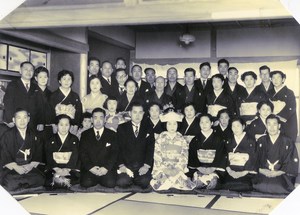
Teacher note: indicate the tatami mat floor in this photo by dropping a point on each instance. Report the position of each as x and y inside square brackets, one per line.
[144, 203]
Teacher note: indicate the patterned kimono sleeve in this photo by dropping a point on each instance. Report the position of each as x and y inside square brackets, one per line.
[158, 155]
[183, 158]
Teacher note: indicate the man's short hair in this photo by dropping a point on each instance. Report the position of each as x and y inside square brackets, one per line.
[120, 58]
[135, 104]
[233, 68]
[205, 64]
[96, 110]
[119, 70]
[190, 70]
[106, 61]
[149, 68]
[26, 62]
[172, 68]
[264, 67]
[136, 65]
[41, 69]
[62, 116]
[273, 116]
[93, 59]
[21, 110]
[223, 61]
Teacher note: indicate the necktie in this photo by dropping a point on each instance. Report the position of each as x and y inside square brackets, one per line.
[121, 90]
[27, 87]
[136, 131]
[203, 83]
[98, 136]
[108, 80]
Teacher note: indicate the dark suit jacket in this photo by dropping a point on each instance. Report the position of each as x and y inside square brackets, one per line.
[16, 96]
[144, 89]
[135, 151]
[123, 102]
[208, 87]
[102, 153]
[109, 89]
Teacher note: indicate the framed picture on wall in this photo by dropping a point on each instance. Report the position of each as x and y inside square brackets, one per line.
[16, 56]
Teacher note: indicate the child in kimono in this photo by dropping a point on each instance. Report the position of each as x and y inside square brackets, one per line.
[248, 100]
[171, 157]
[258, 128]
[190, 123]
[277, 159]
[207, 156]
[66, 101]
[284, 103]
[95, 99]
[61, 150]
[241, 163]
[219, 99]
[112, 118]
[223, 129]
[21, 155]
[85, 124]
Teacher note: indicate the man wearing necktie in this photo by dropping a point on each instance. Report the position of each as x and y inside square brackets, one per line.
[121, 77]
[108, 82]
[98, 153]
[136, 150]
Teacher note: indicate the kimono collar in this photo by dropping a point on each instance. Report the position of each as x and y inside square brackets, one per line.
[239, 139]
[274, 138]
[249, 91]
[189, 122]
[22, 133]
[154, 122]
[65, 94]
[218, 93]
[268, 86]
[62, 138]
[263, 120]
[207, 134]
[232, 87]
[223, 128]
[276, 91]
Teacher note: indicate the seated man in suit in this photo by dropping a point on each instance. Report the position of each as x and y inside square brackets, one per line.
[136, 150]
[21, 154]
[143, 87]
[98, 152]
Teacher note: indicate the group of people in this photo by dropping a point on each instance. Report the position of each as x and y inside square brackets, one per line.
[211, 133]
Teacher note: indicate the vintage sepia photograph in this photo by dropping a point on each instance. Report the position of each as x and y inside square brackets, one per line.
[167, 107]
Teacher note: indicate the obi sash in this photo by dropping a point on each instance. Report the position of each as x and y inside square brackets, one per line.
[206, 156]
[214, 109]
[238, 159]
[62, 157]
[248, 108]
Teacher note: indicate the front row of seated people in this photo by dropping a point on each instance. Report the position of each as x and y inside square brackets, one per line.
[227, 156]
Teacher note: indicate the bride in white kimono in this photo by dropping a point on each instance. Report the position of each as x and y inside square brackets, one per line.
[171, 157]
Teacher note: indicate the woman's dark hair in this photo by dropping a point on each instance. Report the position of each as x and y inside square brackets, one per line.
[62, 73]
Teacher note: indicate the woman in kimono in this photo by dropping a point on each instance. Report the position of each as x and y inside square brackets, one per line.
[129, 97]
[153, 122]
[65, 101]
[284, 103]
[61, 151]
[248, 100]
[170, 157]
[190, 123]
[207, 156]
[277, 159]
[258, 128]
[219, 99]
[241, 163]
[112, 118]
[95, 98]
[223, 129]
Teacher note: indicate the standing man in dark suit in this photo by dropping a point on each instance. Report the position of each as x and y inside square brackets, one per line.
[172, 84]
[189, 94]
[121, 77]
[143, 87]
[136, 150]
[93, 69]
[266, 85]
[204, 83]
[108, 82]
[19, 92]
[223, 66]
[98, 153]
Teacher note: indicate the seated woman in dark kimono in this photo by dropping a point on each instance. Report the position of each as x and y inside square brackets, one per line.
[21, 155]
[223, 129]
[241, 159]
[153, 122]
[219, 98]
[248, 100]
[258, 128]
[277, 159]
[130, 96]
[207, 156]
[65, 101]
[284, 103]
[61, 151]
[190, 123]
